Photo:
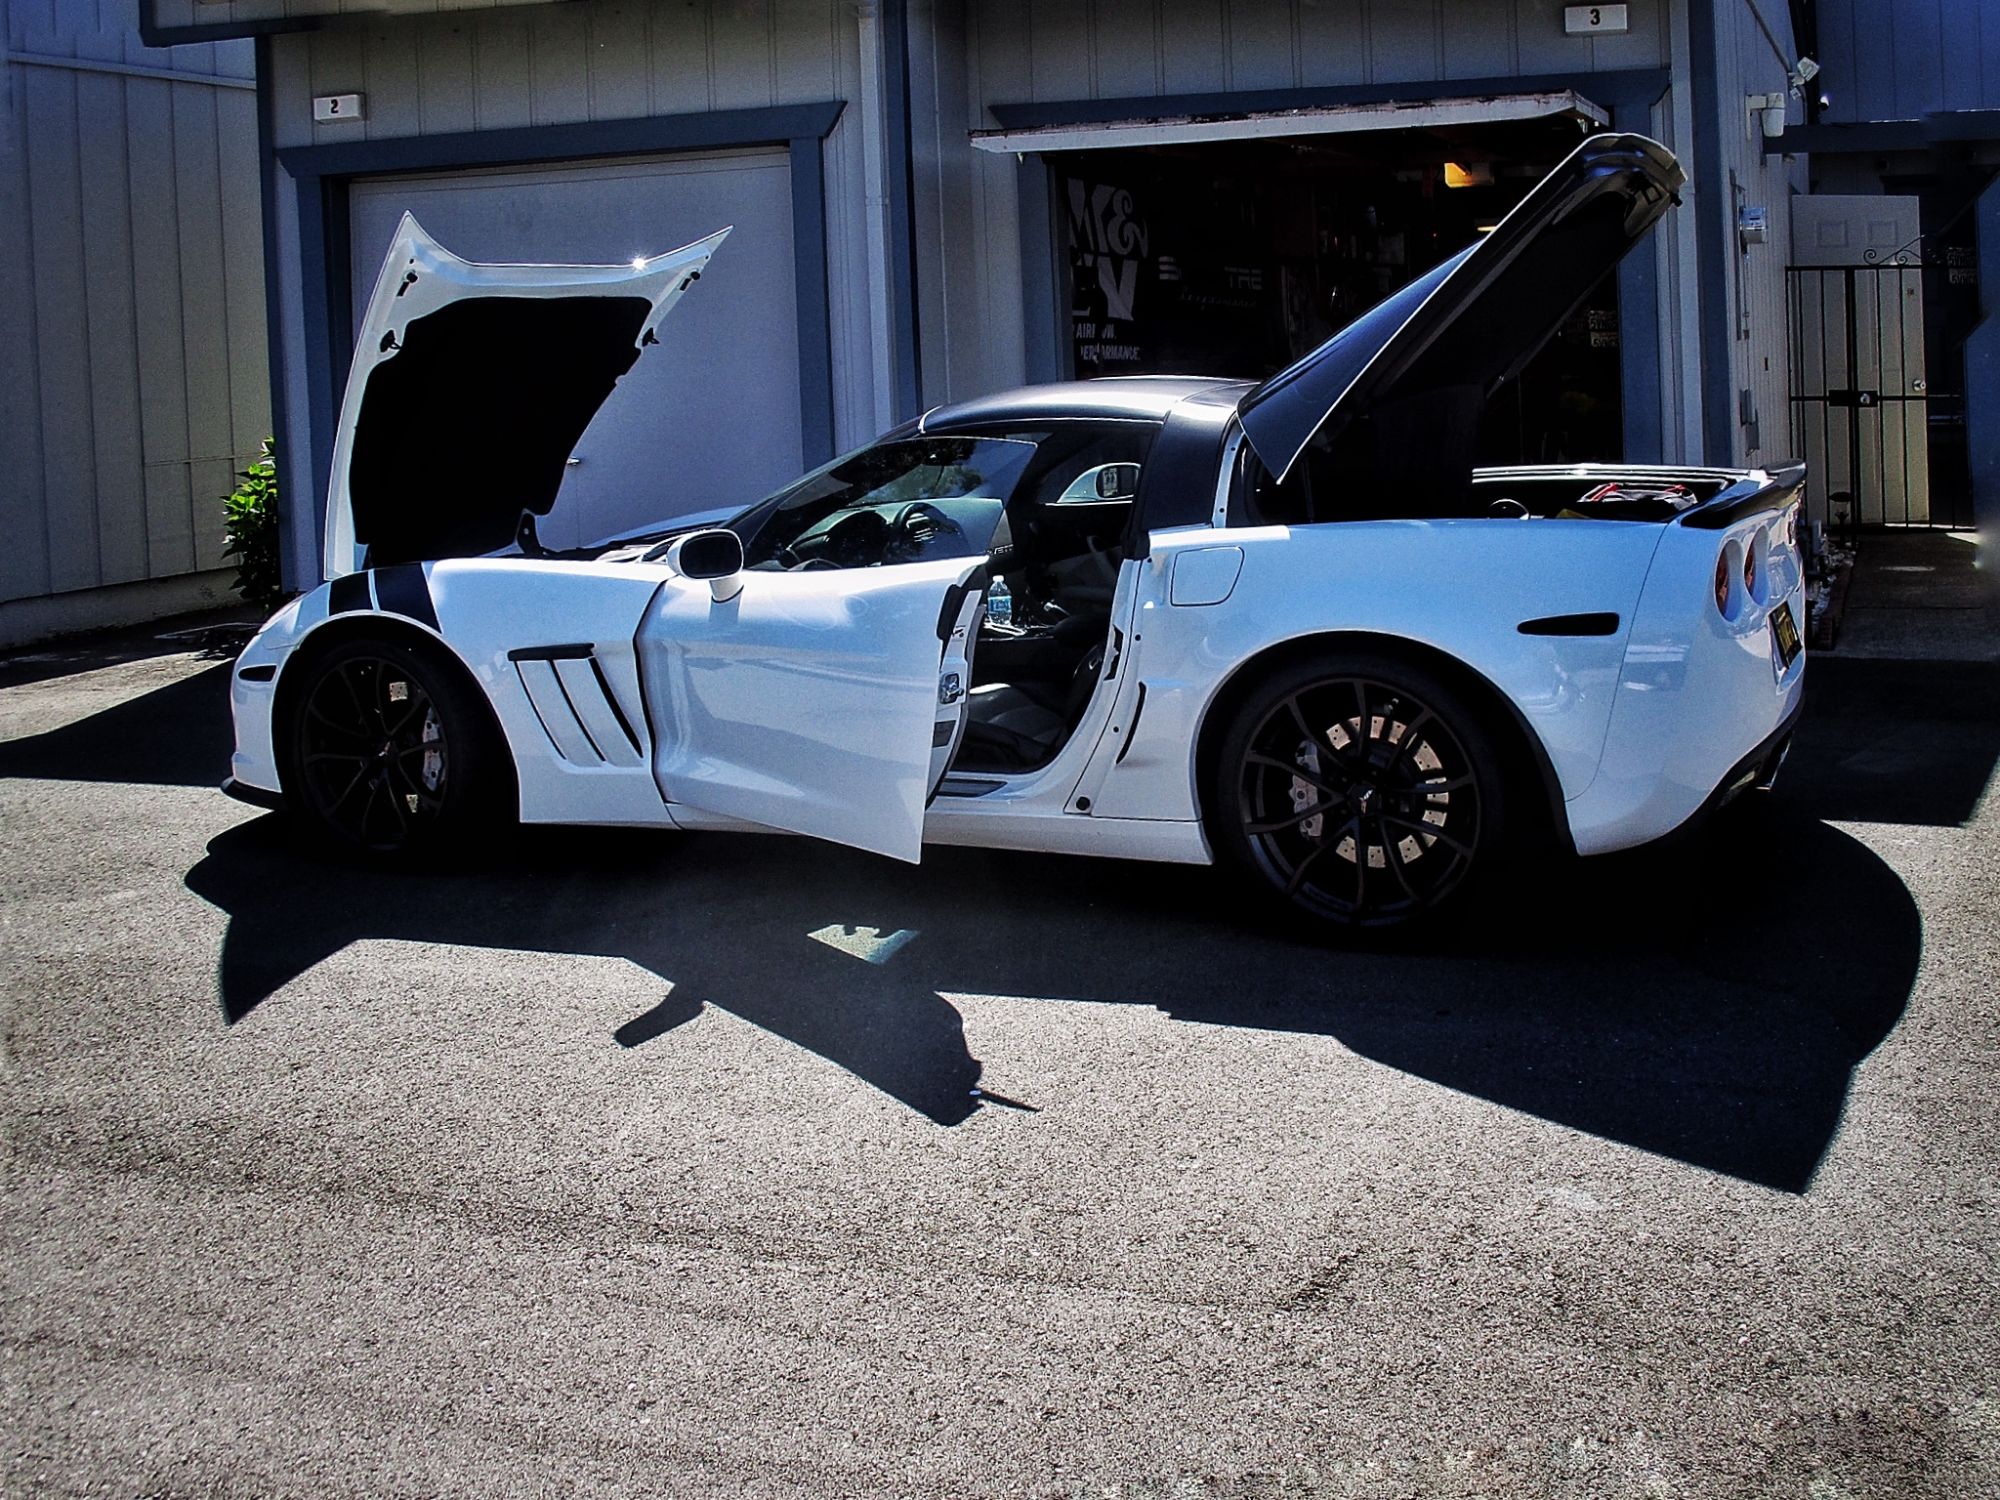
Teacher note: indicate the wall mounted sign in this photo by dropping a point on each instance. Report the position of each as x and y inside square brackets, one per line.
[1596, 20]
[331, 109]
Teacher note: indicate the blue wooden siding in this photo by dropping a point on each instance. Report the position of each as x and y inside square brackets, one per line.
[132, 317]
[1903, 59]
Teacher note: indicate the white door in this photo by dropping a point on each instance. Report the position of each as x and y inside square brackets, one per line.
[727, 362]
[822, 702]
[1858, 331]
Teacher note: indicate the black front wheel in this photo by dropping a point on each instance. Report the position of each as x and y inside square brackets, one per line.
[1364, 792]
[392, 753]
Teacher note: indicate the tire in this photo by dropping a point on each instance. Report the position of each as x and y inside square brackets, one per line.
[392, 753]
[1361, 791]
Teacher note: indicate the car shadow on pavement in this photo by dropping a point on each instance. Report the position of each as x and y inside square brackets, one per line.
[176, 735]
[1707, 1002]
[1899, 741]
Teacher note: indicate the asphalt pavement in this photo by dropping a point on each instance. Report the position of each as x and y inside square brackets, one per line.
[742, 1166]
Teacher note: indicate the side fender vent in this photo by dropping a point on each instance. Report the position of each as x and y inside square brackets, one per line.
[577, 706]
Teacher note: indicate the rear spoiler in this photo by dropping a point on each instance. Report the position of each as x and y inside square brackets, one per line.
[1755, 493]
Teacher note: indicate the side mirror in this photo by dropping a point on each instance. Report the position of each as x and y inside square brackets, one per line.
[1117, 481]
[1107, 484]
[714, 557]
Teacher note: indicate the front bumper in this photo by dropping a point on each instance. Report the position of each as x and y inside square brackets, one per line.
[255, 796]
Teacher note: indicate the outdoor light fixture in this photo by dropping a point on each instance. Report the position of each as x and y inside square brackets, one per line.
[1770, 109]
[1479, 174]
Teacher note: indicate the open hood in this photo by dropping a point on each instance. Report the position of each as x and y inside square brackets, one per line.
[471, 384]
[1464, 327]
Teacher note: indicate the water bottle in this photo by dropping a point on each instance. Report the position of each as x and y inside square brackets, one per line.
[999, 603]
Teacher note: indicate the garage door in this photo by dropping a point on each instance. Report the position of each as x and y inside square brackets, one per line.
[711, 416]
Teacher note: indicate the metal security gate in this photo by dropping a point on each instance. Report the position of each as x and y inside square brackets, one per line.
[1881, 430]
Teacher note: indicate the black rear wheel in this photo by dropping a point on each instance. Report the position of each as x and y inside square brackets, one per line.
[391, 751]
[1364, 792]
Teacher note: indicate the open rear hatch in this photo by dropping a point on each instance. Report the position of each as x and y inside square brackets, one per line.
[1421, 364]
[470, 387]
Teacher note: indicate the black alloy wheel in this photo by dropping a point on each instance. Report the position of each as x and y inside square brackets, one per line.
[388, 755]
[1366, 795]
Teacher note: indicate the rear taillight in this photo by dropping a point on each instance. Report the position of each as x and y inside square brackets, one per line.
[1750, 567]
[1722, 583]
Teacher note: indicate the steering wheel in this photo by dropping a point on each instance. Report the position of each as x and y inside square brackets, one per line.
[791, 562]
[906, 530]
[857, 540]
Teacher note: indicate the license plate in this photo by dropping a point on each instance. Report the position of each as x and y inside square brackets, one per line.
[1785, 631]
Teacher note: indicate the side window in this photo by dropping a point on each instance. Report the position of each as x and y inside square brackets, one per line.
[1090, 465]
[898, 501]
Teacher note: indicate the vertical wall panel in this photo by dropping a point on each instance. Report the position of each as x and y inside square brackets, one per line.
[620, 78]
[1058, 35]
[1262, 46]
[1333, 43]
[156, 276]
[242, 261]
[1542, 46]
[997, 69]
[24, 562]
[1127, 54]
[63, 379]
[446, 93]
[339, 66]
[680, 59]
[1404, 41]
[559, 42]
[1192, 52]
[118, 486]
[740, 54]
[1919, 58]
[1474, 46]
[198, 193]
[504, 79]
[389, 74]
[291, 89]
[1644, 44]
[1971, 62]
[805, 51]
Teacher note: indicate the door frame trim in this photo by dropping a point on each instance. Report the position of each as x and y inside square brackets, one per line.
[322, 177]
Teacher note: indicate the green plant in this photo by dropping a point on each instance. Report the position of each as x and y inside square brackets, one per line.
[250, 526]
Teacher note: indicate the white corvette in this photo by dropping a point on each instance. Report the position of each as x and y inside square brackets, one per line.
[1288, 625]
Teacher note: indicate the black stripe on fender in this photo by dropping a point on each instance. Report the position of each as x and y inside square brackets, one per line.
[404, 590]
[576, 651]
[348, 593]
[1597, 624]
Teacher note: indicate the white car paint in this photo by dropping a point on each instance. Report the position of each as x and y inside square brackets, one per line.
[831, 701]
[419, 277]
[807, 702]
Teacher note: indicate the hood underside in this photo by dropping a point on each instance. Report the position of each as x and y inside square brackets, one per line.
[471, 386]
[1445, 342]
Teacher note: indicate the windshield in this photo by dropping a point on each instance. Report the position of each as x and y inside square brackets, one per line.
[890, 501]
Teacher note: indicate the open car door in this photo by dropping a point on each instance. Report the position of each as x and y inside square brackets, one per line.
[821, 701]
